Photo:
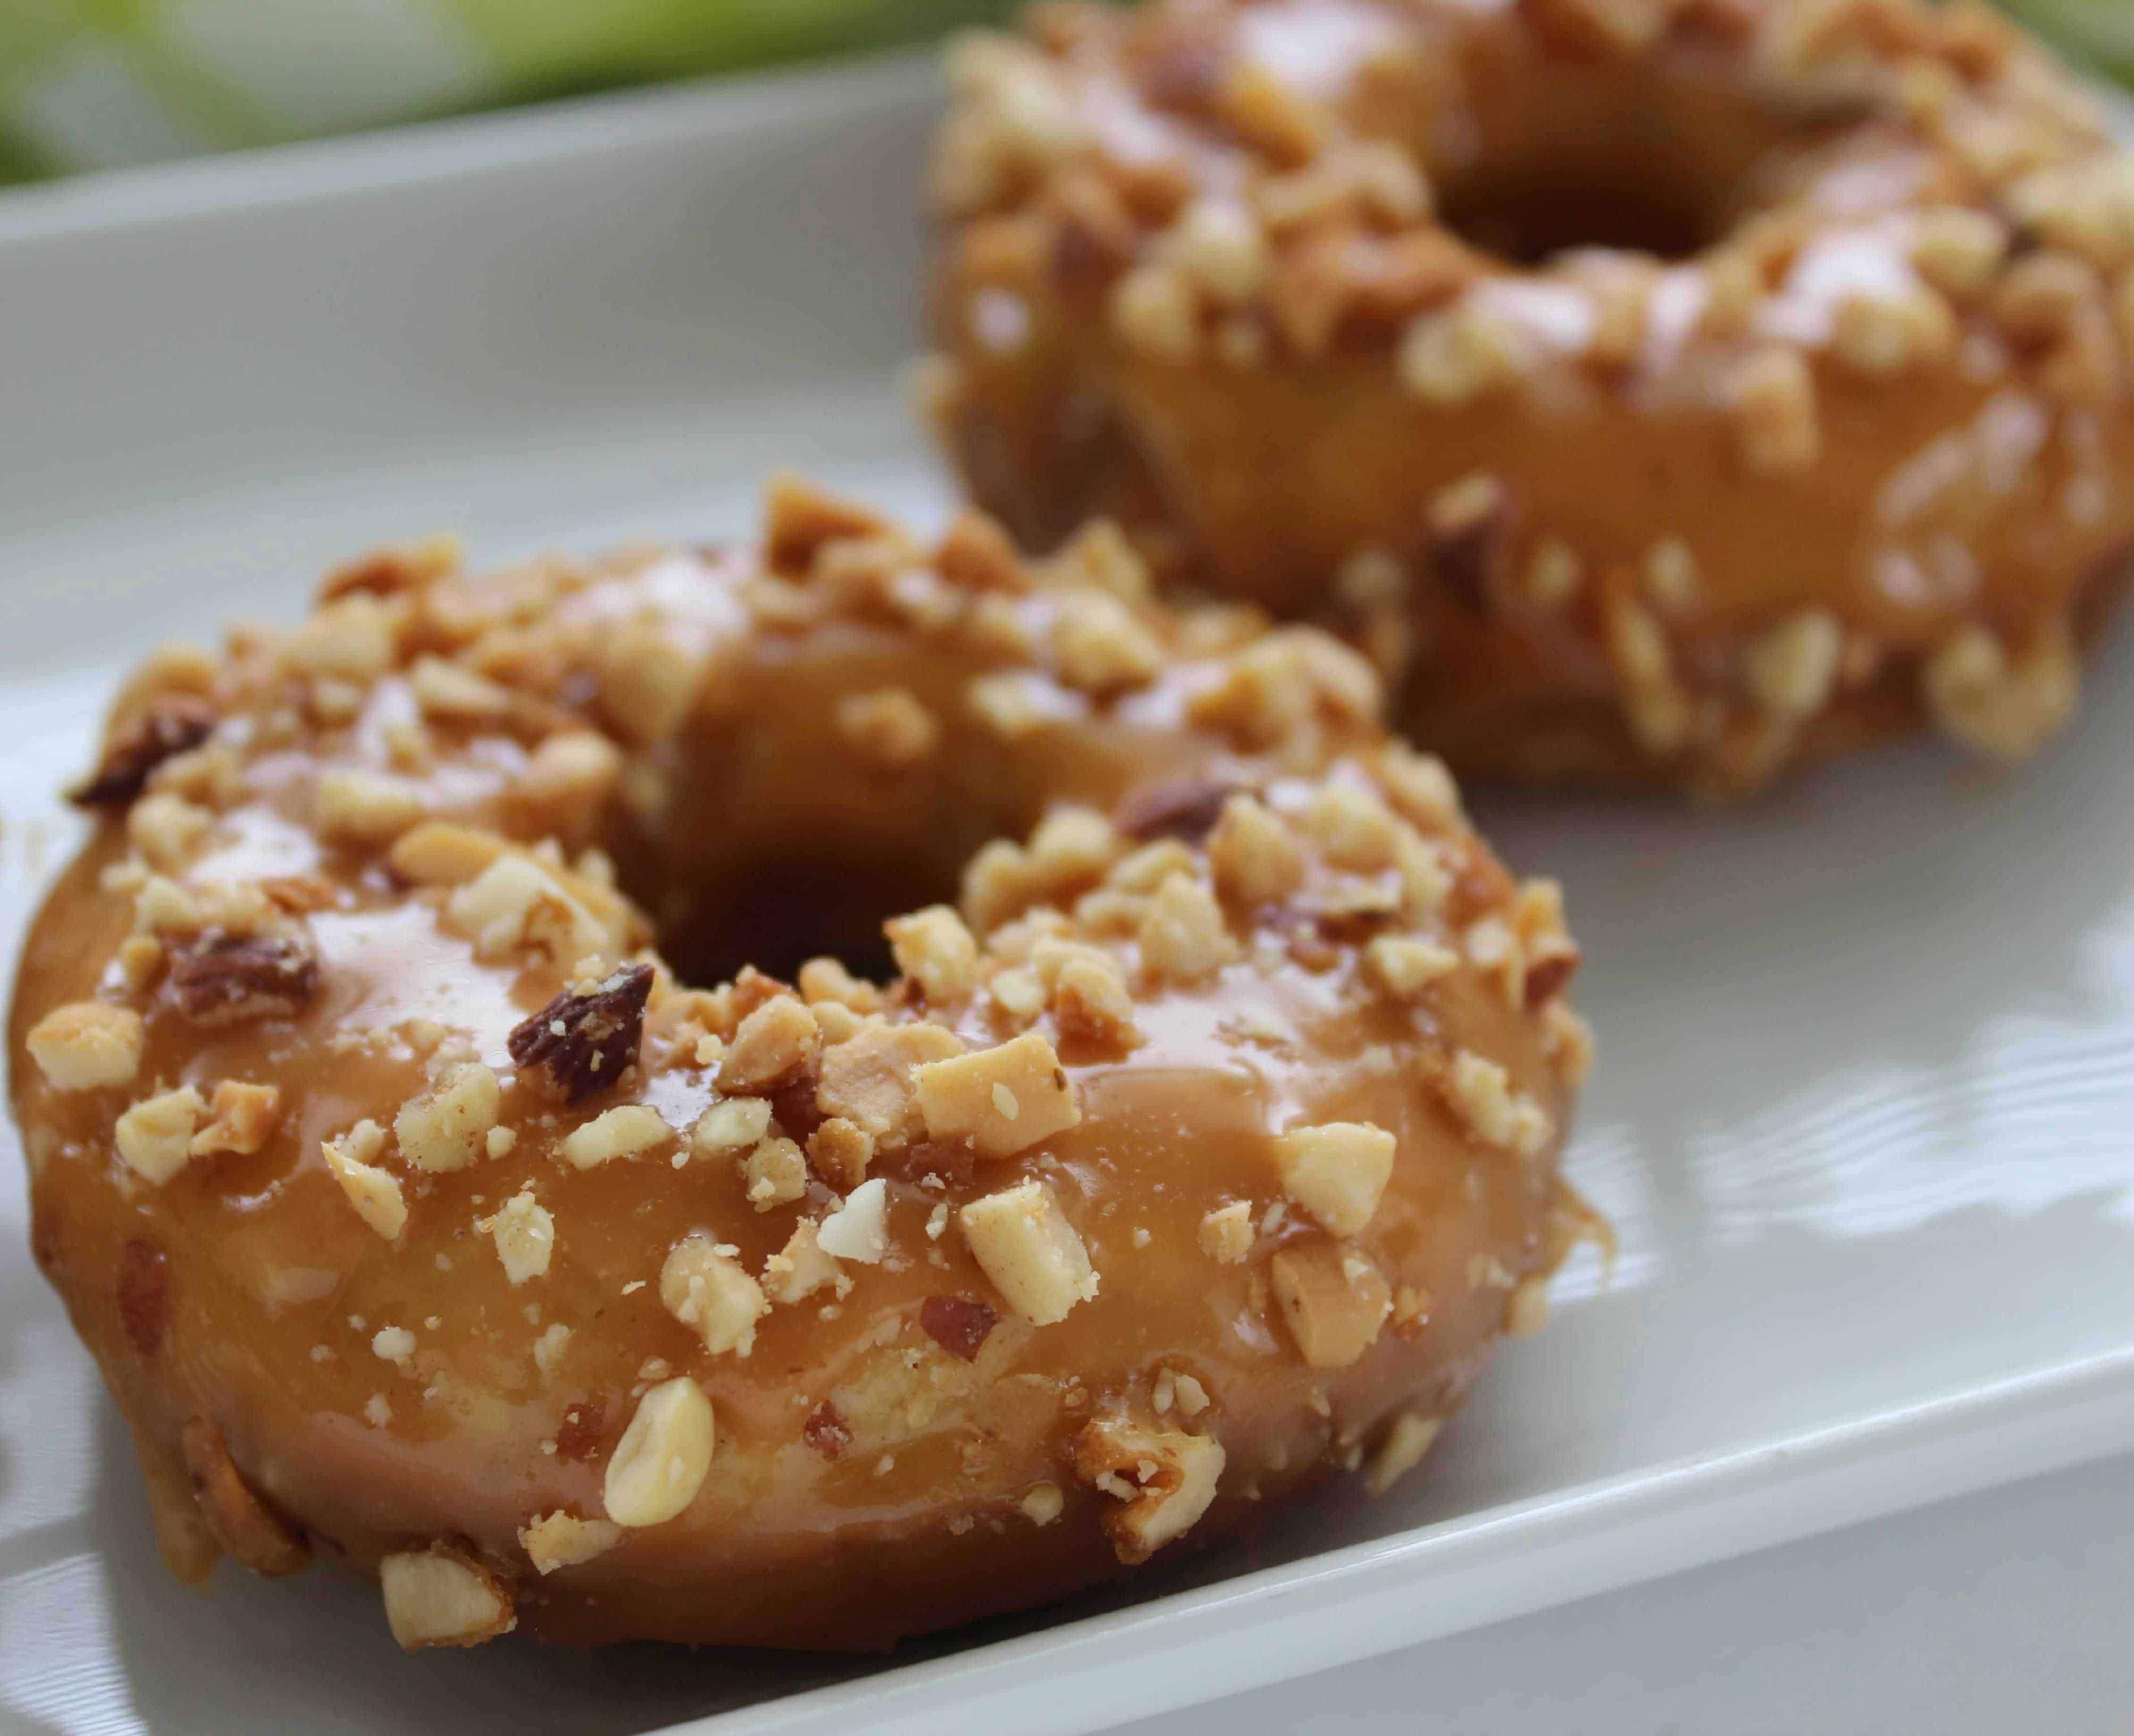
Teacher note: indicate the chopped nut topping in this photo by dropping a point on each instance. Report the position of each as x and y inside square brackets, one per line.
[1526, 1310]
[1155, 313]
[375, 1192]
[660, 1462]
[1334, 1302]
[365, 808]
[648, 681]
[2007, 707]
[579, 1044]
[624, 1130]
[241, 1119]
[1087, 990]
[1410, 1436]
[1043, 1504]
[86, 1044]
[175, 724]
[1182, 936]
[891, 728]
[1002, 1099]
[1956, 249]
[959, 1324]
[438, 853]
[1352, 827]
[1226, 1233]
[155, 1135]
[775, 1044]
[1255, 860]
[733, 1124]
[1336, 1172]
[167, 829]
[1791, 669]
[217, 978]
[1881, 336]
[449, 1129]
[516, 902]
[976, 553]
[441, 1596]
[445, 689]
[1468, 521]
[1452, 358]
[858, 1229]
[1101, 646]
[253, 1533]
[1774, 414]
[1024, 1243]
[563, 1540]
[933, 948]
[841, 1151]
[706, 1289]
[775, 1174]
[524, 1231]
[868, 1080]
[1405, 966]
[1480, 1091]
[1166, 1478]
[798, 518]
[800, 1269]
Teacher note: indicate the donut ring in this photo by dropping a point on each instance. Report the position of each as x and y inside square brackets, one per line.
[418, 1216]
[1662, 391]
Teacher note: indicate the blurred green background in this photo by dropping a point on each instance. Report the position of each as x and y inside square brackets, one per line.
[103, 84]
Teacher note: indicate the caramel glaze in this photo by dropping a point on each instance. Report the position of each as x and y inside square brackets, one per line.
[1834, 301]
[867, 1483]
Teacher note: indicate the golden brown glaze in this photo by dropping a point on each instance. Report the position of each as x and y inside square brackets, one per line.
[1661, 391]
[418, 1217]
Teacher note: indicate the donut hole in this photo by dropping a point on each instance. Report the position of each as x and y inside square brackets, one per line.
[778, 911]
[1658, 162]
[1529, 221]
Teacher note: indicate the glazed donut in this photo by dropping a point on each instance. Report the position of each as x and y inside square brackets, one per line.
[418, 1215]
[1661, 391]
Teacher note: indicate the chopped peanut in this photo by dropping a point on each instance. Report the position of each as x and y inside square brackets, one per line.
[706, 1288]
[933, 948]
[1336, 1172]
[373, 1192]
[1226, 1233]
[241, 1119]
[1024, 1243]
[524, 1231]
[859, 1228]
[1166, 1478]
[624, 1130]
[563, 1540]
[1182, 936]
[1334, 1302]
[777, 1042]
[449, 1129]
[867, 1080]
[1409, 1438]
[441, 1596]
[155, 1137]
[1002, 1099]
[662, 1459]
[86, 1044]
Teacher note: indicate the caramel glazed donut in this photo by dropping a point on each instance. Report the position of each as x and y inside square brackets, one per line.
[416, 1213]
[1661, 391]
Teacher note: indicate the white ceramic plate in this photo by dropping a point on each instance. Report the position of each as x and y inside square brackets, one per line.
[1865, 1113]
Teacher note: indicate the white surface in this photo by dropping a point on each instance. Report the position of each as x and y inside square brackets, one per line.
[1867, 1096]
[2003, 1611]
